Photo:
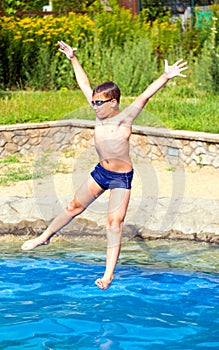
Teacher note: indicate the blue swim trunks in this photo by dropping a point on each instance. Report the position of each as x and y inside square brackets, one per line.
[111, 179]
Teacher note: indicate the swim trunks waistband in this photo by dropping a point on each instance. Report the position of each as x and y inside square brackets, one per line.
[110, 179]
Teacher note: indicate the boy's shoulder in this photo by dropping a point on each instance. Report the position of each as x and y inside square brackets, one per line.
[128, 114]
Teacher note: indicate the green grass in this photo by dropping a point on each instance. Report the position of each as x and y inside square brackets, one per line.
[182, 108]
[197, 113]
[27, 167]
[31, 107]
[13, 169]
[174, 107]
[9, 159]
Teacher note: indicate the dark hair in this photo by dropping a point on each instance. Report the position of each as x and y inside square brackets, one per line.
[109, 89]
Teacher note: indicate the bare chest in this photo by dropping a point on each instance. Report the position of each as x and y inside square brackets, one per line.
[111, 132]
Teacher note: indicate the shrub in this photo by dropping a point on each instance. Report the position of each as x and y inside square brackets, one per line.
[111, 45]
[206, 67]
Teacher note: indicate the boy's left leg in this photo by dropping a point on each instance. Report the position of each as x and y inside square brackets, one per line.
[118, 204]
[84, 196]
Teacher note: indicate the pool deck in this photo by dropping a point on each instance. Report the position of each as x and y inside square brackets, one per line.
[176, 203]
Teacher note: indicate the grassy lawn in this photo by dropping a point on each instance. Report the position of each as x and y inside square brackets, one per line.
[174, 107]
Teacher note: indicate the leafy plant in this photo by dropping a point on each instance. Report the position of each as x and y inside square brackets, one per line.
[156, 9]
[112, 45]
[171, 168]
[10, 159]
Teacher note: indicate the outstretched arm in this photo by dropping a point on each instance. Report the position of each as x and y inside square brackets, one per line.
[170, 72]
[81, 76]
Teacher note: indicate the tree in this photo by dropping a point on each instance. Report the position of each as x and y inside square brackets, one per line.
[12, 6]
[155, 8]
[75, 5]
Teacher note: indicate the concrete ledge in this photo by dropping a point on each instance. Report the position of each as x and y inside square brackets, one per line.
[81, 123]
[154, 218]
[177, 134]
[137, 129]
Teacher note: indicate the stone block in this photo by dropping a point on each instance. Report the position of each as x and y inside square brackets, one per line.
[3, 142]
[20, 140]
[187, 150]
[11, 148]
[8, 136]
[200, 150]
[215, 162]
[33, 133]
[212, 148]
[34, 141]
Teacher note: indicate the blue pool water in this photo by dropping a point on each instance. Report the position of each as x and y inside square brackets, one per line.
[49, 301]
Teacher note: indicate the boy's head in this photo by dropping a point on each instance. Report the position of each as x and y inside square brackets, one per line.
[109, 90]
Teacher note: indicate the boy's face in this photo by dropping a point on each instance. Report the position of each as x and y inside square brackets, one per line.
[103, 106]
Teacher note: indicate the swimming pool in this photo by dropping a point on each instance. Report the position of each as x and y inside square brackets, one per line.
[165, 296]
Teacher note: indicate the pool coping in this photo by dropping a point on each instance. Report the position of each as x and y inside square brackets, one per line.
[152, 218]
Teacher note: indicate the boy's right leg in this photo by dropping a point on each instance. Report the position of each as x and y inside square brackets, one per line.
[118, 204]
[84, 196]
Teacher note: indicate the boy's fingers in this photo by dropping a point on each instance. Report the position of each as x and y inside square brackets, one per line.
[177, 62]
[64, 46]
[184, 68]
[60, 43]
[166, 63]
[182, 64]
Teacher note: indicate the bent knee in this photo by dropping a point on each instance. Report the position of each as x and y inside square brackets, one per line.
[114, 226]
[114, 221]
[74, 207]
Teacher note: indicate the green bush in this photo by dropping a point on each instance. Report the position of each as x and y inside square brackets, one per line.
[206, 68]
[111, 45]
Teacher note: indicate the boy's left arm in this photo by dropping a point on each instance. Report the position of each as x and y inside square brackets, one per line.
[170, 72]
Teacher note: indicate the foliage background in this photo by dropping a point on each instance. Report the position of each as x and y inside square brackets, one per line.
[111, 45]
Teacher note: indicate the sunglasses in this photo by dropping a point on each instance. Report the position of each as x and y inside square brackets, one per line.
[99, 103]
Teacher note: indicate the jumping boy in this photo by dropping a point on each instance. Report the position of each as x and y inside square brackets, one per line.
[114, 171]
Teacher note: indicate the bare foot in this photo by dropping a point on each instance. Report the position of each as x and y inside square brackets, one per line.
[33, 243]
[103, 283]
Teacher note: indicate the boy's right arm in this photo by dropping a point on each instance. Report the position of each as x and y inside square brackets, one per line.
[82, 79]
[81, 76]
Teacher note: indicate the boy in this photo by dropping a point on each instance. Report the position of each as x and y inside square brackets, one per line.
[114, 170]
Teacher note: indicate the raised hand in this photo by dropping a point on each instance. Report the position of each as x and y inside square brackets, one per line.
[66, 49]
[176, 69]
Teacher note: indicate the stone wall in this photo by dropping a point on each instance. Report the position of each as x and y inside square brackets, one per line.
[176, 147]
[55, 136]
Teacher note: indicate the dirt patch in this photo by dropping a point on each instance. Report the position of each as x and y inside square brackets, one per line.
[32, 175]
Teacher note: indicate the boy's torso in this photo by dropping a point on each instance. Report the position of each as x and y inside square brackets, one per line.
[112, 145]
